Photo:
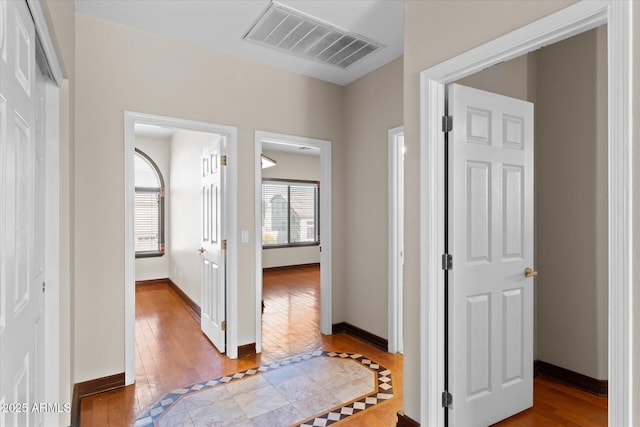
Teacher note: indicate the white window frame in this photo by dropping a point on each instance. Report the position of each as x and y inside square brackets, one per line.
[292, 183]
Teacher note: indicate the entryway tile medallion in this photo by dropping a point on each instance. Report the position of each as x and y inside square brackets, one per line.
[381, 393]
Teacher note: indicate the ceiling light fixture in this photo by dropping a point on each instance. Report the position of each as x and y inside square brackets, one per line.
[266, 161]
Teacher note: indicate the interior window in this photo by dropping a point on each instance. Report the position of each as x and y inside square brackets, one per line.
[149, 207]
[290, 213]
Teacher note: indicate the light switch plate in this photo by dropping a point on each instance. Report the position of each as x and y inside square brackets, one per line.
[245, 236]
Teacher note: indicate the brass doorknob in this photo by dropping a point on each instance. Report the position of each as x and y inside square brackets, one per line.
[201, 250]
[529, 272]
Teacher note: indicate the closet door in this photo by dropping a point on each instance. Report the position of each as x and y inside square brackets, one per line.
[21, 221]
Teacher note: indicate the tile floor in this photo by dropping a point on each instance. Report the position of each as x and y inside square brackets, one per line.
[314, 389]
[171, 351]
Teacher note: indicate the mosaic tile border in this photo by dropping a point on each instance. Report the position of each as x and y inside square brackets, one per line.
[384, 390]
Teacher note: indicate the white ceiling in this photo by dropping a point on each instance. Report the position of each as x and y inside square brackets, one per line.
[221, 24]
[153, 131]
[290, 147]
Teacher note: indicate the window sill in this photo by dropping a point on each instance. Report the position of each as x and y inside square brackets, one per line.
[149, 254]
[297, 245]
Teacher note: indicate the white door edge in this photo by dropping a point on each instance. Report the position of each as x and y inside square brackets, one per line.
[570, 21]
[231, 211]
[52, 380]
[396, 213]
[326, 322]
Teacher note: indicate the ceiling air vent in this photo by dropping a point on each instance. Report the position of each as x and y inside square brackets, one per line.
[293, 32]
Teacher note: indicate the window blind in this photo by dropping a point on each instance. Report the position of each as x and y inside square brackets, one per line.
[147, 221]
[290, 213]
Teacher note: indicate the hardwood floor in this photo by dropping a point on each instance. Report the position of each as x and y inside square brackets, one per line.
[291, 316]
[556, 404]
[171, 351]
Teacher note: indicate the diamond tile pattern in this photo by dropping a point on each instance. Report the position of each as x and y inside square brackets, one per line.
[174, 405]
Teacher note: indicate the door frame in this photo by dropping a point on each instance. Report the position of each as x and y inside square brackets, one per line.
[326, 322]
[396, 240]
[53, 270]
[575, 19]
[231, 221]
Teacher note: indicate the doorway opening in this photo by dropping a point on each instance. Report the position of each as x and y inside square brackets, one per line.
[570, 312]
[559, 26]
[292, 243]
[174, 150]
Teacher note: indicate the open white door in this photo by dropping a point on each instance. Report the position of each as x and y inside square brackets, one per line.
[212, 250]
[491, 242]
[22, 218]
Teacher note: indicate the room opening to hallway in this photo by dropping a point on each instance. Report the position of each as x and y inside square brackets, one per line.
[291, 315]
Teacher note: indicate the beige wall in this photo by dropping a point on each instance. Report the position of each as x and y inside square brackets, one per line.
[291, 166]
[515, 78]
[429, 40]
[185, 211]
[571, 204]
[60, 18]
[372, 106]
[120, 69]
[159, 150]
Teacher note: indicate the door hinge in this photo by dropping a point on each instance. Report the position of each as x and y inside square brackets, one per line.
[447, 123]
[447, 262]
[223, 160]
[223, 244]
[223, 325]
[447, 399]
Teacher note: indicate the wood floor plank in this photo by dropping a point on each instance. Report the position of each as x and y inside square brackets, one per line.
[172, 352]
[557, 404]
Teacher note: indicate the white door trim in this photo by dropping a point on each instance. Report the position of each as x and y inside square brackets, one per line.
[396, 240]
[52, 381]
[570, 21]
[231, 213]
[326, 324]
[42, 29]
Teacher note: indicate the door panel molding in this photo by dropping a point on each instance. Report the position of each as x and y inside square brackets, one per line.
[561, 25]
[490, 302]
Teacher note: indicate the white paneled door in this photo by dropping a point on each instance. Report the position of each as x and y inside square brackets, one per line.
[21, 220]
[491, 240]
[213, 245]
